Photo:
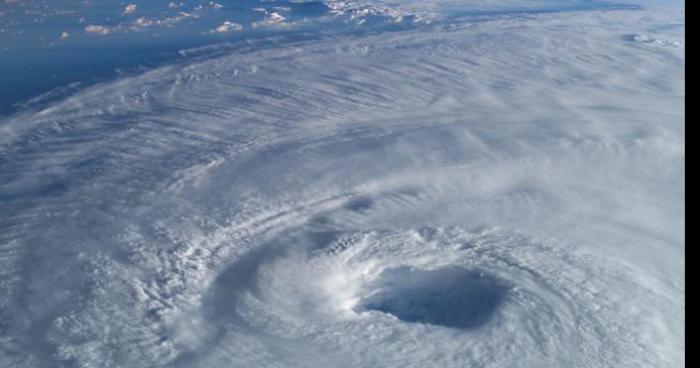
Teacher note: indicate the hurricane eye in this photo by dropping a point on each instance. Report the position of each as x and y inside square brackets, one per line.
[450, 297]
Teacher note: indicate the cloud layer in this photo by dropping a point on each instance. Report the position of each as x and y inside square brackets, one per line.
[288, 206]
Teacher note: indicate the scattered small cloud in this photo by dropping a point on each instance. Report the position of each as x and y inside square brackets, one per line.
[170, 21]
[226, 27]
[65, 35]
[210, 5]
[272, 19]
[101, 30]
[142, 22]
[276, 18]
[129, 9]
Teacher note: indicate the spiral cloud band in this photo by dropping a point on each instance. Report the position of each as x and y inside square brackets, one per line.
[498, 190]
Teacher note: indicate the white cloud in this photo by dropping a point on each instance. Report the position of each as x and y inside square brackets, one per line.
[130, 9]
[273, 19]
[251, 209]
[97, 29]
[226, 27]
[142, 22]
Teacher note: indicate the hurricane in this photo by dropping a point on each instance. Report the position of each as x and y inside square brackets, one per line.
[356, 183]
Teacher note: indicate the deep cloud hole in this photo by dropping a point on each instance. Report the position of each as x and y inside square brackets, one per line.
[450, 297]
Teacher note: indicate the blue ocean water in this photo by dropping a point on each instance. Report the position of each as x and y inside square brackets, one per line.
[49, 48]
[46, 45]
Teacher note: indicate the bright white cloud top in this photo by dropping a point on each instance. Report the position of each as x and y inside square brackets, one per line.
[493, 189]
